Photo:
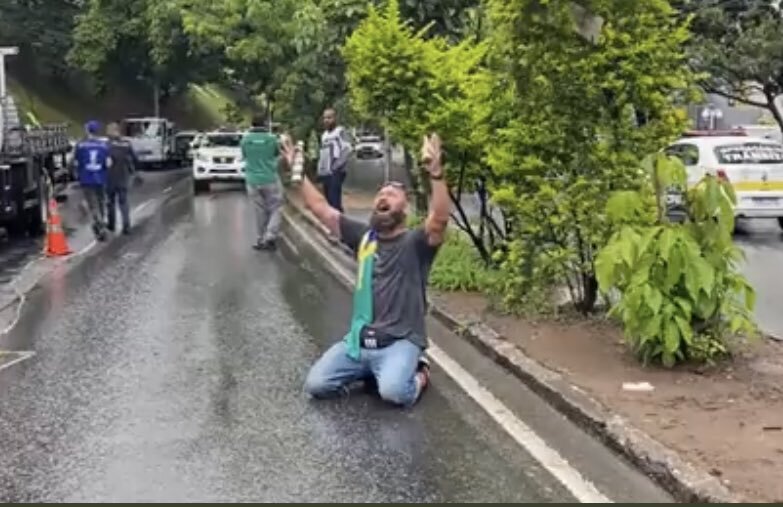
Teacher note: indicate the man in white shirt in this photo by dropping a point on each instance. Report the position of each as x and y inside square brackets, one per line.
[333, 159]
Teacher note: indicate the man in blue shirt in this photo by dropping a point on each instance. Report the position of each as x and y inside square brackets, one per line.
[91, 157]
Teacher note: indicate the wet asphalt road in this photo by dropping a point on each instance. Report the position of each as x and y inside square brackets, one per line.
[16, 252]
[169, 367]
[762, 242]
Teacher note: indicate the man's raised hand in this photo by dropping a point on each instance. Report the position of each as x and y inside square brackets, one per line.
[432, 156]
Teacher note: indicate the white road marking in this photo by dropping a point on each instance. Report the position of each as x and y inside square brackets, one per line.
[141, 206]
[21, 298]
[23, 355]
[582, 489]
[92, 244]
[167, 190]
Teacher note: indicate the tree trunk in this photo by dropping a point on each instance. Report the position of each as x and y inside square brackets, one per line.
[590, 287]
[773, 108]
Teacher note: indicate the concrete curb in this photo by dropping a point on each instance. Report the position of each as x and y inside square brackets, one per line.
[685, 482]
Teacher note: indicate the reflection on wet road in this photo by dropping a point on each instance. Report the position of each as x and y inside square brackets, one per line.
[170, 369]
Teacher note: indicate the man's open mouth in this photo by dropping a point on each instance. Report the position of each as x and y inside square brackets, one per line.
[383, 207]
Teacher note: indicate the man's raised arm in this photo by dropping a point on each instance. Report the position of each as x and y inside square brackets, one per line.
[313, 199]
[316, 202]
[440, 202]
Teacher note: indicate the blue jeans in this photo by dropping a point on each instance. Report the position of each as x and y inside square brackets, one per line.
[333, 189]
[393, 367]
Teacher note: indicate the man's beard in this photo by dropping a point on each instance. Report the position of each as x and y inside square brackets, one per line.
[386, 221]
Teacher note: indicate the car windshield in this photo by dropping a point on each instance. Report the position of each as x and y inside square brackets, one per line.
[750, 153]
[142, 128]
[223, 140]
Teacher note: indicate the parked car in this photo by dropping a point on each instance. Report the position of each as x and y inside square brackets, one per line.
[217, 157]
[369, 147]
[753, 166]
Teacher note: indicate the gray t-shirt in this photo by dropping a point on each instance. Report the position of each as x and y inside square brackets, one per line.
[400, 273]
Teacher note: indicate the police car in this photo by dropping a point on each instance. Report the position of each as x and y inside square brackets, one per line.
[217, 157]
[753, 166]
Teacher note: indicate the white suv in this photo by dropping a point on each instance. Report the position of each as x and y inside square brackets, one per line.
[217, 157]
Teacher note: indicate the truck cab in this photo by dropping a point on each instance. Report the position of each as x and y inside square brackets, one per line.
[152, 140]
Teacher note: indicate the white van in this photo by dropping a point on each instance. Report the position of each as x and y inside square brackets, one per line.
[753, 166]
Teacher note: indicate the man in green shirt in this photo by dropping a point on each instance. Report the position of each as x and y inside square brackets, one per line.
[261, 153]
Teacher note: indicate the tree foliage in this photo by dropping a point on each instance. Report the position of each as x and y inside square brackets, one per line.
[738, 48]
[583, 114]
[41, 28]
[135, 41]
[315, 77]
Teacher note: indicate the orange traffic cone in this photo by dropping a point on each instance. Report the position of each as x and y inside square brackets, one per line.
[56, 244]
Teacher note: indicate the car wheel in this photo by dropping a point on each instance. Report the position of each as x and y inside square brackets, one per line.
[200, 186]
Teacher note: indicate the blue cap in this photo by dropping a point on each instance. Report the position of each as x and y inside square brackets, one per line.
[92, 127]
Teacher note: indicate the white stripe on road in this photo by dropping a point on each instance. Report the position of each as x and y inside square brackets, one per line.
[23, 355]
[582, 489]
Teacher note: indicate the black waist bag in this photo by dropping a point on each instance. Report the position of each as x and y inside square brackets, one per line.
[373, 339]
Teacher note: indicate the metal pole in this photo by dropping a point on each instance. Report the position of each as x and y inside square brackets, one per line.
[156, 93]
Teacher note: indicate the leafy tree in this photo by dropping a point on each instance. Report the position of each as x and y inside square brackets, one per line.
[135, 40]
[574, 135]
[42, 29]
[253, 38]
[681, 293]
[452, 19]
[738, 47]
[315, 78]
[415, 85]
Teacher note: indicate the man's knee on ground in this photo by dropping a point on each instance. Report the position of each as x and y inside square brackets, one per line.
[397, 392]
[318, 386]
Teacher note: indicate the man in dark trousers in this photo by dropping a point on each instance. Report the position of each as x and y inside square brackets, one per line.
[91, 157]
[122, 164]
[333, 159]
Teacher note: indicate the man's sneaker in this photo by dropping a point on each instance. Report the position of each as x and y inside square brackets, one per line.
[269, 245]
[422, 375]
[126, 231]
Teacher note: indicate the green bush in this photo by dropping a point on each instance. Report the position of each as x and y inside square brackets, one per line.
[681, 295]
[458, 267]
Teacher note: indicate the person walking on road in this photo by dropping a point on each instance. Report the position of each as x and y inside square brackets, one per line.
[122, 166]
[261, 153]
[333, 159]
[91, 157]
[387, 335]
